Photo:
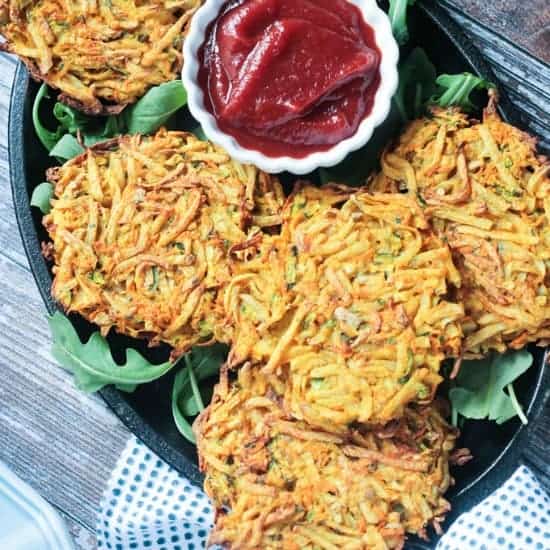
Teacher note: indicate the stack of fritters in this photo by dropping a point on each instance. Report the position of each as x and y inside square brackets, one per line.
[141, 229]
[102, 55]
[278, 484]
[342, 310]
[339, 305]
[347, 306]
[487, 194]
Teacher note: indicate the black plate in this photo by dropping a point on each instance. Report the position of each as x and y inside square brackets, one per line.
[497, 449]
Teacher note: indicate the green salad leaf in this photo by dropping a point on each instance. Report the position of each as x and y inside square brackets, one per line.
[417, 84]
[113, 127]
[398, 18]
[481, 384]
[92, 363]
[70, 120]
[190, 393]
[66, 148]
[47, 137]
[455, 90]
[155, 108]
[145, 117]
[41, 197]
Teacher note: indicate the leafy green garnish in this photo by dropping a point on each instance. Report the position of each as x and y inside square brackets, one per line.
[479, 392]
[41, 197]
[92, 364]
[417, 84]
[398, 18]
[188, 396]
[66, 148]
[145, 117]
[70, 120]
[155, 108]
[455, 90]
[47, 137]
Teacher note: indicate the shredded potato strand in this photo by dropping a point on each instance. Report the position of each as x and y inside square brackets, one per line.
[348, 306]
[485, 192]
[102, 55]
[276, 483]
[142, 229]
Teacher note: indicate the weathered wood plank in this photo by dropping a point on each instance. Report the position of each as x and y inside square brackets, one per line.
[64, 443]
[525, 80]
[526, 24]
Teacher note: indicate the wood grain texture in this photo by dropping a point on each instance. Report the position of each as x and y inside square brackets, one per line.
[61, 441]
[524, 22]
[525, 80]
[65, 443]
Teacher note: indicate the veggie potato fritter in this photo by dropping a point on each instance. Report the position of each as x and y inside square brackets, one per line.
[141, 228]
[487, 194]
[102, 54]
[279, 484]
[349, 305]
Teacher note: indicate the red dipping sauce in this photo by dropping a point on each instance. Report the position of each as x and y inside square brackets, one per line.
[289, 77]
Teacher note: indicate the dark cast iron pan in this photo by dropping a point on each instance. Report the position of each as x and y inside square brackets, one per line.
[498, 450]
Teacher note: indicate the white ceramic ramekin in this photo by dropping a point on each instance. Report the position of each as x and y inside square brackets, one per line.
[387, 45]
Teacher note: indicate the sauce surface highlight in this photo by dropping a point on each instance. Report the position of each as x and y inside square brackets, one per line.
[289, 77]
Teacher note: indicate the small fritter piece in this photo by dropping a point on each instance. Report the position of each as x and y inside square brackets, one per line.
[276, 483]
[487, 194]
[102, 55]
[141, 231]
[349, 303]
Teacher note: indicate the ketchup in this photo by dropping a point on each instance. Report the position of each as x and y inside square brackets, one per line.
[289, 77]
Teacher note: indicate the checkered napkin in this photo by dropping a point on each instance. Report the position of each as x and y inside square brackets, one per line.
[147, 505]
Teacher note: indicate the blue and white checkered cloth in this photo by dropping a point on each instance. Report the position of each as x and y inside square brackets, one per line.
[148, 505]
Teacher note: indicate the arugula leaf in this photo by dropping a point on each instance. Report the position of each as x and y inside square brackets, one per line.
[188, 397]
[480, 385]
[145, 117]
[66, 148]
[114, 126]
[455, 90]
[398, 19]
[194, 384]
[70, 119]
[188, 403]
[154, 109]
[417, 84]
[47, 137]
[41, 197]
[92, 363]
[183, 425]
[92, 129]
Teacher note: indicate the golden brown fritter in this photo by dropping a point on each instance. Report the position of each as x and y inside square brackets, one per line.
[487, 194]
[348, 305]
[279, 484]
[101, 54]
[142, 227]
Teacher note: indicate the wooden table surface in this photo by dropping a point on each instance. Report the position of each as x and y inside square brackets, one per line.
[65, 443]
